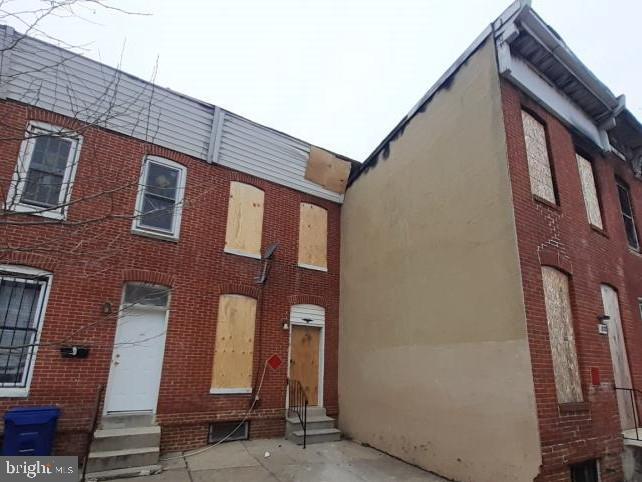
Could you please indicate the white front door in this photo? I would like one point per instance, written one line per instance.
(137, 360)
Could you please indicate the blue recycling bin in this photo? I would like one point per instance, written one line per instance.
(30, 431)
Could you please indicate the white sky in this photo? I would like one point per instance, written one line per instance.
(336, 73)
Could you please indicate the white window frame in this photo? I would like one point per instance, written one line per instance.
(19, 180)
(20, 272)
(178, 206)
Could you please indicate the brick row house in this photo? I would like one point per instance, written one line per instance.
(156, 252)
(497, 336)
(468, 299)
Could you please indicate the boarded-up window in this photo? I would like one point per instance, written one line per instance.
(313, 237)
(539, 167)
(589, 191)
(561, 335)
(244, 220)
(234, 349)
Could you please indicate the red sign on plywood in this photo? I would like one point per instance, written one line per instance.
(275, 362)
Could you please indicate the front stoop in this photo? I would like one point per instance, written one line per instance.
(320, 428)
(632, 456)
(124, 446)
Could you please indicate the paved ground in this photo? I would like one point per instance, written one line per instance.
(328, 462)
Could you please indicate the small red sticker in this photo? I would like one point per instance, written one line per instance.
(595, 375)
(275, 362)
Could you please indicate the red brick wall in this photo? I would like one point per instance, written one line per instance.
(91, 262)
(561, 237)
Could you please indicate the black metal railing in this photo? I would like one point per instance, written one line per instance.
(631, 397)
(298, 405)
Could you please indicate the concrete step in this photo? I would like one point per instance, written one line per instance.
(313, 423)
(316, 436)
(122, 459)
(127, 420)
(316, 412)
(125, 438)
(123, 473)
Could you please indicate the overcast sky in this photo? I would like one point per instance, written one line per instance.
(336, 73)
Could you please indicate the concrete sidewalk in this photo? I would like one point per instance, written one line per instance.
(342, 461)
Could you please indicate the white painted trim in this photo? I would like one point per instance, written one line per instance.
(238, 252)
(321, 326)
(123, 309)
(313, 267)
(178, 206)
(19, 179)
(23, 392)
(230, 391)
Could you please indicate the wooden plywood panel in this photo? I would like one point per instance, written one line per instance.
(304, 360)
(619, 359)
(539, 167)
(244, 219)
(589, 191)
(313, 236)
(561, 335)
(234, 349)
(327, 170)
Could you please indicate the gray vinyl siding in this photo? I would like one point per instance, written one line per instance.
(54, 79)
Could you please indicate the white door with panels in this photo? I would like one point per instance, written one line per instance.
(139, 345)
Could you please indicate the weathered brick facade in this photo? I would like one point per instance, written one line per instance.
(560, 236)
(91, 261)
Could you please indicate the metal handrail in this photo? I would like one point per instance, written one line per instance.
(298, 404)
(633, 397)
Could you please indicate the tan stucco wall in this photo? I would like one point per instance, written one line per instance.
(434, 364)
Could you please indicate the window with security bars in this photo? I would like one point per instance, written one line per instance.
(626, 206)
(45, 171)
(21, 301)
(160, 197)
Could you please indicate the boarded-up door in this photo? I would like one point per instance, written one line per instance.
(304, 360)
(621, 373)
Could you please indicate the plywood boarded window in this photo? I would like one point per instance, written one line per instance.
(313, 237)
(589, 191)
(539, 167)
(234, 349)
(244, 220)
(561, 335)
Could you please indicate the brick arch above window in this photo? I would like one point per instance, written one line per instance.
(552, 257)
(247, 179)
(30, 260)
(304, 299)
(231, 288)
(146, 276)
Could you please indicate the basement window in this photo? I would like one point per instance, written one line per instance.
(585, 472)
(227, 432)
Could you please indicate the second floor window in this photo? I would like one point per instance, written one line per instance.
(313, 237)
(45, 171)
(589, 191)
(539, 167)
(160, 197)
(626, 206)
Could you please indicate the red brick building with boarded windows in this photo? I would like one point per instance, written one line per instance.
(503, 213)
(156, 253)
(482, 267)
